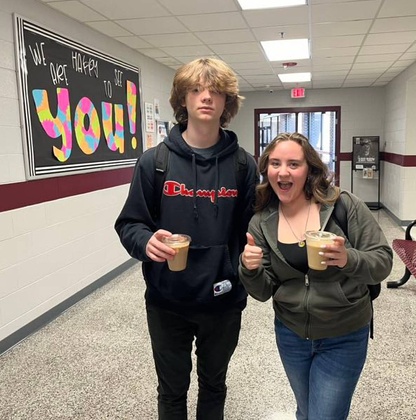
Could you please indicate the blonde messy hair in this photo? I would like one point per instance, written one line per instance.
(212, 74)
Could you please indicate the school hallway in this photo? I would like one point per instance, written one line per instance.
(94, 361)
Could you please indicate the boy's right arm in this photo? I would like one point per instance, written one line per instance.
(135, 224)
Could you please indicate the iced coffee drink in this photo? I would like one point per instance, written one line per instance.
(180, 243)
(314, 241)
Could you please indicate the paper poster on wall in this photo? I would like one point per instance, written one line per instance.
(365, 152)
(80, 107)
(150, 140)
(150, 118)
(157, 109)
(162, 130)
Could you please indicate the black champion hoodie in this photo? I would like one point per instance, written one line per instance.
(200, 198)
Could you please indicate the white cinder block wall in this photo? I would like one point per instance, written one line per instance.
(52, 250)
(399, 186)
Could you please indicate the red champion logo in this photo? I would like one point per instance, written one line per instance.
(173, 188)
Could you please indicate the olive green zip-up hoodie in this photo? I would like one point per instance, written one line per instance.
(327, 303)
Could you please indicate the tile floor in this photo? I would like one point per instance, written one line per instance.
(94, 361)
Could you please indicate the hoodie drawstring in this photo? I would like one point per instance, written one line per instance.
(194, 186)
(217, 181)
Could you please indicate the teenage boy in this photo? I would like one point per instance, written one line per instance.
(202, 198)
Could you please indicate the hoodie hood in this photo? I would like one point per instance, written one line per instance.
(227, 144)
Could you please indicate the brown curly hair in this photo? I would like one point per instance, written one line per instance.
(215, 75)
(319, 183)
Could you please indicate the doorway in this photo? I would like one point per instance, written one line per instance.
(321, 125)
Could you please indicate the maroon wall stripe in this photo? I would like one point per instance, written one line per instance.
(22, 194)
(407, 161)
(400, 160)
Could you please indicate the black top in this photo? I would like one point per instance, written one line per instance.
(294, 255)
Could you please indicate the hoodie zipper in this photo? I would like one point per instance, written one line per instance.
(306, 306)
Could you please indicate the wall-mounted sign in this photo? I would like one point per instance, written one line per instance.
(297, 92)
(365, 153)
(81, 108)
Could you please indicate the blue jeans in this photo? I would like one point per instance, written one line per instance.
(172, 335)
(322, 373)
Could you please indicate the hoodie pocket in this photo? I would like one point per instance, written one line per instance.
(206, 266)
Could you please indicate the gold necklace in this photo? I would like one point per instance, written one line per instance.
(301, 242)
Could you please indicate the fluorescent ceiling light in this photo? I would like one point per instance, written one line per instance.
(294, 77)
(286, 49)
(269, 4)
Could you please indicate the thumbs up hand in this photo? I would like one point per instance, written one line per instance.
(252, 254)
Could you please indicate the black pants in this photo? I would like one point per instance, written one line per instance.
(172, 335)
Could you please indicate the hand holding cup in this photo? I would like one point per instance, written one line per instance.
(315, 240)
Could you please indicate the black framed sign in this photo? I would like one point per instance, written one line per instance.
(81, 108)
(365, 152)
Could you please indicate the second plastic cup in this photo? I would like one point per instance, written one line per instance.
(180, 243)
(314, 240)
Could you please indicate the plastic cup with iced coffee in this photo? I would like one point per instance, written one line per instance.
(180, 243)
(314, 241)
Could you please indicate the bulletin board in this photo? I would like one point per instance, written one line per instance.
(81, 108)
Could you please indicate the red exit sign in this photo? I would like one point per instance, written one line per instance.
(297, 93)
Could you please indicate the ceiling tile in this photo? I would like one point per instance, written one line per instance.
(220, 21)
(371, 67)
(226, 36)
(329, 74)
(197, 7)
(348, 11)
(247, 47)
(322, 84)
(153, 52)
(168, 61)
(235, 58)
(275, 17)
(338, 1)
(159, 25)
(394, 24)
(338, 41)
(131, 9)
(324, 68)
(277, 32)
(255, 65)
(334, 52)
(170, 40)
(409, 55)
(384, 49)
(392, 8)
(355, 83)
(109, 28)
(377, 58)
(133, 41)
(252, 72)
(200, 50)
(341, 28)
(77, 10)
(391, 38)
